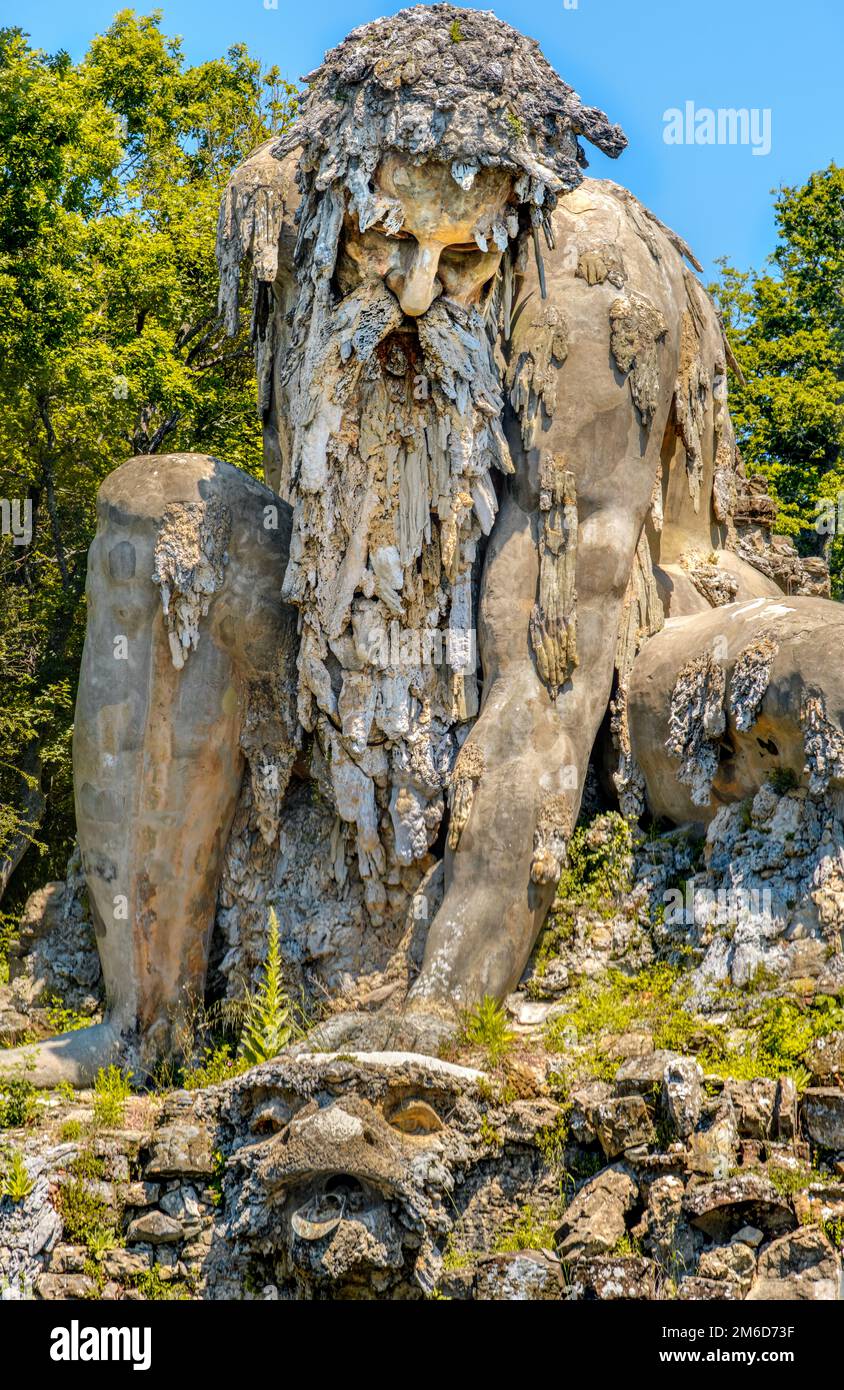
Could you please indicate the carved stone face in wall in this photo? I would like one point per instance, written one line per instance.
(435, 251)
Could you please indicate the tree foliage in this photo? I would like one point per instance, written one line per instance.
(786, 327)
(110, 345)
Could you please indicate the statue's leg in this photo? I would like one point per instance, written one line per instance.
(727, 698)
(158, 762)
(531, 759)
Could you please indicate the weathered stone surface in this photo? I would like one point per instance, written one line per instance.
(595, 1220)
(53, 1287)
(123, 1265)
(180, 1151)
(68, 1259)
(823, 1116)
(663, 1228)
(583, 1102)
(801, 1266)
(622, 1123)
(825, 1057)
(154, 1228)
(54, 955)
(755, 1105)
(643, 1074)
(721, 1208)
(735, 1263)
(712, 1147)
(681, 1094)
(696, 1290)
(524, 1277)
(609, 1278)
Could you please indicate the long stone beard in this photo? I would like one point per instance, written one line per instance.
(396, 431)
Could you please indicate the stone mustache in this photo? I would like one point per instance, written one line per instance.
(498, 457)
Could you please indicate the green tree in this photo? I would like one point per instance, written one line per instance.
(786, 327)
(110, 345)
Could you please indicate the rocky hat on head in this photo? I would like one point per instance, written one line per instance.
(457, 84)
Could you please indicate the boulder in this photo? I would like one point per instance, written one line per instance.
(755, 1106)
(681, 1094)
(525, 1276)
(735, 1263)
(53, 1287)
(595, 1221)
(154, 1228)
(643, 1074)
(823, 1116)
(825, 1057)
(622, 1123)
(799, 1266)
(712, 1149)
(721, 1208)
(181, 1151)
(608, 1277)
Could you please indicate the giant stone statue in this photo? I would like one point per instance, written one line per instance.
(499, 465)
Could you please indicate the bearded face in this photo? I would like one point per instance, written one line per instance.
(396, 403)
(443, 245)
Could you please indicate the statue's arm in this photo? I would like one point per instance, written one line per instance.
(585, 425)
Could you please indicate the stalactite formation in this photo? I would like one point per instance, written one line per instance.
(553, 622)
(749, 681)
(468, 770)
(539, 346)
(822, 741)
(190, 560)
(636, 327)
(695, 724)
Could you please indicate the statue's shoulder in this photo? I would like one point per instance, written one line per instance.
(604, 236)
(602, 207)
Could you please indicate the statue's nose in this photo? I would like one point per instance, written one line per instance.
(419, 287)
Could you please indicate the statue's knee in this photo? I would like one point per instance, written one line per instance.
(177, 527)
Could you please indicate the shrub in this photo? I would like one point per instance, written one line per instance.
(112, 1089)
(87, 1218)
(217, 1064)
(527, 1232)
(486, 1026)
(16, 1184)
(17, 1103)
(267, 1029)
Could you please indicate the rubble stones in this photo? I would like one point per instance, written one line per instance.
(596, 1220)
(681, 1094)
(823, 1116)
(802, 1266)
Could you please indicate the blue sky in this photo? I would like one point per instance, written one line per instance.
(636, 60)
